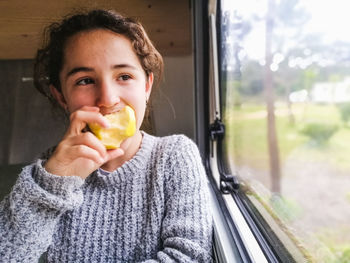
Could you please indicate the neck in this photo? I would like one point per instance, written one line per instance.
(130, 147)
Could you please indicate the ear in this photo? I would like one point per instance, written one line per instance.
(59, 97)
(149, 84)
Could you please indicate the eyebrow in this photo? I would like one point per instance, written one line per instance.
(123, 66)
(78, 69)
(87, 69)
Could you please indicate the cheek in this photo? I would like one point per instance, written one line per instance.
(135, 97)
(139, 112)
(76, 100)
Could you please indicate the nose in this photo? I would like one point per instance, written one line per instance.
(108, 95)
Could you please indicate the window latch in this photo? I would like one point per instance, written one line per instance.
(217, 130)
(228, 182)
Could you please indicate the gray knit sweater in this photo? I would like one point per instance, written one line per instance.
(154, 208)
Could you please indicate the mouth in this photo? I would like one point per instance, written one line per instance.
(110, 110)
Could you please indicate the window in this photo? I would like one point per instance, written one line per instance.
(285, 79)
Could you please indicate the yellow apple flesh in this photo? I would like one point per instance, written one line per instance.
(122, 126)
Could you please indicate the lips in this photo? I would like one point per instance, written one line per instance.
(110, 110)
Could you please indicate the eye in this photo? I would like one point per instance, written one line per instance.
(124, 77)
(85, 81)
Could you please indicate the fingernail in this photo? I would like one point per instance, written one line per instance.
(106, 124)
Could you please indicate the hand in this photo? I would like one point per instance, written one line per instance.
(80, 153)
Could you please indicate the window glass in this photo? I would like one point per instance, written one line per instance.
(285, 74)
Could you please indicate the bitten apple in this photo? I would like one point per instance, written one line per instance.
(122, 126)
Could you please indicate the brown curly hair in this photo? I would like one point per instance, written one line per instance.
(49, 59)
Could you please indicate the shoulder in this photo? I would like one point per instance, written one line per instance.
(177, 151)
(177, 141)
(175, 145)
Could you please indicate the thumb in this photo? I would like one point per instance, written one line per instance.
(113, 154)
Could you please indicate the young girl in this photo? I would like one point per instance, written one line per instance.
(143, 202)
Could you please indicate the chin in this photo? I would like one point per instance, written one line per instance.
(129, 141)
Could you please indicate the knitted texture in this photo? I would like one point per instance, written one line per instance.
(154, 208)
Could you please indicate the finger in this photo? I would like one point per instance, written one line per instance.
(89, 140)
(83, 151)
(113, 154)
(79, 119)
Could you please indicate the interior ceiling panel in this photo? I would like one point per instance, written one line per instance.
(167, 22)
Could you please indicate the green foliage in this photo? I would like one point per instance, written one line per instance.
(345, 255)
(308, 76)
(334, 241)
(344, 109)
(252, 85)
(286, 209)
(319, 132)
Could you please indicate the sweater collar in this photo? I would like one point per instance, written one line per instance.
(130, 168)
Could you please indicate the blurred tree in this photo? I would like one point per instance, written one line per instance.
(275, 170)
(282, 21)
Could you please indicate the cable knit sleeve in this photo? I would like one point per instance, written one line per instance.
(29, 214)
(187, 225)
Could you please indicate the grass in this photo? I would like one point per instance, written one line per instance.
(339, 253)
(247, 135)
(246, 144)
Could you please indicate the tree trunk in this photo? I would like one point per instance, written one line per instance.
(275, 172)
(291, 117)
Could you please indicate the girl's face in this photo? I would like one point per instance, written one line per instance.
(101, 69)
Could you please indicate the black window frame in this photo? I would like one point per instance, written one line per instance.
(272, 247)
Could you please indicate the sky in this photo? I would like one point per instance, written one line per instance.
(332, 17)
(329, 17)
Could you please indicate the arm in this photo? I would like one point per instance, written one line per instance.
(29, 214)
(187, 225)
